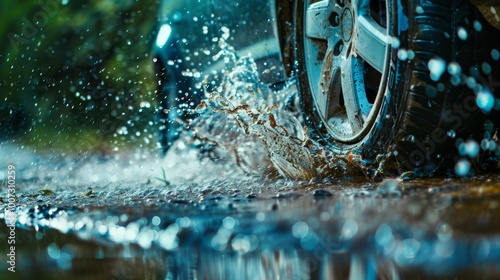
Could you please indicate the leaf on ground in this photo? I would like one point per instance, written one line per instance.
(47, 192)
(88, 194)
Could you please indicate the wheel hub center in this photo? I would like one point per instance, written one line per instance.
(346, 25)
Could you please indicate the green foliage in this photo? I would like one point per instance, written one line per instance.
(76, 69)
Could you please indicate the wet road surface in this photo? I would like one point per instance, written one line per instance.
(223, 224)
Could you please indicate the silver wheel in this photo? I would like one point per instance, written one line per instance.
(347, 46)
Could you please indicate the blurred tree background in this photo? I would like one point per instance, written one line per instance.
(77, 75)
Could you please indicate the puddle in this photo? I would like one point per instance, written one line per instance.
(435, 227)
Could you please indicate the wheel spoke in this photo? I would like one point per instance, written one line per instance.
(317, 20)
(343, 45)
(353, 90)
(371, 42)
(327, 95)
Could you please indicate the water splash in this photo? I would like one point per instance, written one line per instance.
(259, 113)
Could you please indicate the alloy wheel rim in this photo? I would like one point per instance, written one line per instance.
(347, 46)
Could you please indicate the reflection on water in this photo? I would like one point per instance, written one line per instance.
(388, 230)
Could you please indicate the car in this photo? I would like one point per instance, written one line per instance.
(414, 83)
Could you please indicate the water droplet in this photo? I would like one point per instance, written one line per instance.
(406, 251)
(145, 238)
(156, 221)
(486, 68)
(168, 238)
(482, 249)
(122, 130)
(485, 100)
(410, 54)
(310, 241)
(471, 82)
(225, 32)
(229, 223)
(462, 167)
(469, 148)
(53, 251)
(436, 67)
(474, 71)
(383, 234)
(452, 133)
(487, 134)
(462, 33)
(177, 16)
(485, 144)
(260, 217)
(495, 54)
(444, 232)
(349, 230)
(241, 243)
(444, 249)
(441, 87)
(493, 145)
(454, 68)
(419, 10)
(183, 222)
(477, 26)
(402, 54)
(395, 43)
(300, 229)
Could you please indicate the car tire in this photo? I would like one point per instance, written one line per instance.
(399, 78)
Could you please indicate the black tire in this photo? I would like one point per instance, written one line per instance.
(418, 119)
